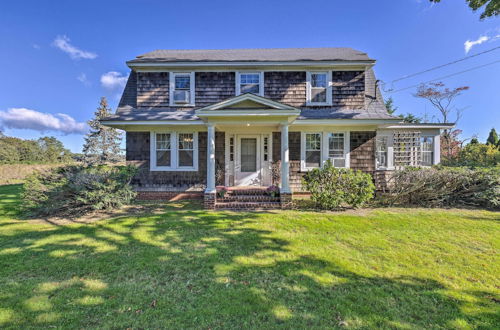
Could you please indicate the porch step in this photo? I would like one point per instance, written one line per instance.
(248, 191)
(247, 205)
(247, 198)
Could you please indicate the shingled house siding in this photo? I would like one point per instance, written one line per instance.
(294, 157)
(220, 158)
(363, 151)
(152, 89)
(348, 89)
(286, 87)
(137, 145)
(213, 87)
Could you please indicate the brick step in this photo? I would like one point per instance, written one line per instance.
(247, 198)
(253, 192)
(247, 206)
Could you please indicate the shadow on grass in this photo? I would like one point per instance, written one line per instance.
(188, 268)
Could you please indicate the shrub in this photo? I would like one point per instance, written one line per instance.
(445, 187)
(476, 155)
(332, 188)
(76, 189)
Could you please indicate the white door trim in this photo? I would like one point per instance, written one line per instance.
(248, 179)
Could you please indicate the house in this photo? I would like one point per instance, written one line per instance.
(251, 118)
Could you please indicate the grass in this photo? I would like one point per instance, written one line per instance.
(16, 173)
(183, 267)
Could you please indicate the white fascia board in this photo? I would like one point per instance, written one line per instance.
(151, 122)
(418, 126)
(247, 113)
(341, 122)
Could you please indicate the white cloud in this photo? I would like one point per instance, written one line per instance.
(22, 118)
(471, 43)
(62, 42)
(82, 77)
(36, 46)
(113, 80)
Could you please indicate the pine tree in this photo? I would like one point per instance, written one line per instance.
(474, 141)
(102, 144)
(389, 105)
(492, 138)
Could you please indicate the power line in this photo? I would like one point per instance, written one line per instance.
(444, 65)
(444, 77)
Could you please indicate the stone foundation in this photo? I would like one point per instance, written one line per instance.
(167, 195)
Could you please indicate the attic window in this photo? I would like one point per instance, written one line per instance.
(319, 88)
(250, 82)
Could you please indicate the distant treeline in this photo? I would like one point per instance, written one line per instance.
(43, 150)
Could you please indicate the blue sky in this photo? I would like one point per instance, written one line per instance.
(57, 55)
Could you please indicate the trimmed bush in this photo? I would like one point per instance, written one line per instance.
(445, 187)
(72, 190)
(333, 188)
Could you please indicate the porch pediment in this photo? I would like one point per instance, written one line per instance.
(247, 105)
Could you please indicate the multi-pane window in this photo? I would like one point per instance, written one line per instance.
(174, 151)
(231, 149)
(186, 149)
(427, 150)
(336, 149)
(250, 83)
(318, 87)
(381, 153)
(266, 148)
(312, 150)
(163, 150)
(182, 88)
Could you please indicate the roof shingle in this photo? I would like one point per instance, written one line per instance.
(253, 55)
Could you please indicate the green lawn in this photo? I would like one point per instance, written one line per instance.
(187, 268)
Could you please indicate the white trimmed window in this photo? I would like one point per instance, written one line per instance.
(382, 151)
(311, 151)
(427, 150)
(250, 82)
(337, 149)
(174, 151)
(182, 89)
(319, 88)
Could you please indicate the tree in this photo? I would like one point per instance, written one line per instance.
(389, 105)
(410, 118)
(53, 150)
(474, 141)
(102, 144)
(492, 138)
(492, 7)
(441, 98)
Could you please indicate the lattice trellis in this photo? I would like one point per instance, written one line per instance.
(406, 149)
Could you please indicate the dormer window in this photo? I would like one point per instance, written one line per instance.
(250, 82)
(182, 89)
(319, 88)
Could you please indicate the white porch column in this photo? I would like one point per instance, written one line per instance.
(211, 159)
(285, 160)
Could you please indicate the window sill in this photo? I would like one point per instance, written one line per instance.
(172, 169)
(318, 104)
(182, 105)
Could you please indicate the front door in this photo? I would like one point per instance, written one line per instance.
(248, 165)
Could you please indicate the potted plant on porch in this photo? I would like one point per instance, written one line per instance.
(221, 191)
(273, 190)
